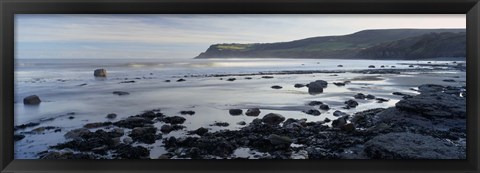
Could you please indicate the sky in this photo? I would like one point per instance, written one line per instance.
(168, 36)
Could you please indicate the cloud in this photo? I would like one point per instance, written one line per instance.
(163, 34)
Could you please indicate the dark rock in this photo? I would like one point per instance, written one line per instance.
(340, 114)
(32, 100)
(339, 83)
(313, 112)
(97, 125)
(392, 66)
(92, 140)
(200, 131)
(18, 137)
(187, 112)
(167, 81)
(77, 133)
(220, 124)
(340, 122)
(369, 96)
(276, 87)
(381, 100)
(248, 78)
(231, 79)
(382, 66)
(253, 112)
(317, 86)
(324, 107)
(71, 117)
(235, 112)
(242, 123)
(348, 127)
(351, 104)
(173, 120)
(273, 119)
(166, 128)
(315, 103)
(267, 77)
(120, 93)
(371, 66)
(299, 85)
(359, 96)
(132, 122)
(339, 65)
(144, 134)
(327, 120)
(129, 152)
(181, 80)
(435, 105)
(410, 66)
(127, 140)
(24, 126)
(112, 116)
(282, 141)
(448, 80)
(366, 118)
(411, 146)
(130, 81)
(100, 73)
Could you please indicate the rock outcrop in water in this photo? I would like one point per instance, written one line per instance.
(32, 100)
(100, 73)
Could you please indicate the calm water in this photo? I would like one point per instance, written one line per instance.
(69, 86)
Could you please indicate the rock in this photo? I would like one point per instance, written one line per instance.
(97, 125)
(371, 66)
(267, 77)
(315, 103)
(220, 124)
(132, 122)
(32, 100)
(248, 78)
(167, 81)
(359, 96)
(77, 133)
(382, 66)
(369, 96)
(120, 93)
(129, 152)
(200, 131)
(253, 112)
(339, 83)
(313, 112)
(144, 134)
(231, 79)
(317, 86)
(187, 112)
(406, 145)
(340, 122)
(340, 114)
(277, 140)
(351, 104)
(71, 117)
(381, 100)
(302, 154)
(299, 85)
(18, 137)
(448, 80)
(435, 105)
(393, 66)
(181, 80)
(128, 140)
(324, 107)
(92, 140)
(348, 127)
(130, 81)
(55, 155)
(273, 119)
(242, 123)
(235, 112)
(276, 87)
(100, 73)
(410, 66)
(173, 120)
(327, 120)
(112, 116)
(166, 128)
(339, 65)
(24, 126)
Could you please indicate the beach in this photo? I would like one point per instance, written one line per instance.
(175, 98)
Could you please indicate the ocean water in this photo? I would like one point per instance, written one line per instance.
(66, 86)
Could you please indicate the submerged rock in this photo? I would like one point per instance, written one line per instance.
(299, 85)
(112, 116)
(359, 96)
(339, 83)
(32, 100)
(351, 104)
(100, 73)
(371, 66)
(231, 79)
(132, 122)
(220, 124)
(18, 137)
(181, 80)
(315, 103)
(276, 87)
(187, 112)
(235, 112)
(173, 120)
(340, 114)
(324, 107)
(120, 93)
(317, 86)
(313, 112)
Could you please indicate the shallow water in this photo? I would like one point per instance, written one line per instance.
(58, 84)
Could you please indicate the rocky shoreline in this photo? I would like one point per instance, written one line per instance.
(430, 125)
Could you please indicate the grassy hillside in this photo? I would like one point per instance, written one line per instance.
(341, 47)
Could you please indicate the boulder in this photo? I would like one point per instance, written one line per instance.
(351, 104)
(369, 96)
(339, 83)
(173, 120)
(231, 79)
(349, 127)
(144, 134)
(278, 140)
(187, 112)
(112, 116)
(324, 107)
(435, 105)
(32, 100)
(317, 86)
(220, 124)
(313, 112)
(340, 114)
(371, 66)
(77, 133)
(181, 80)
(339, 65)
(339, 122)
(235, 112)
(406, 145)
(120, 93)
(359, 96)
(166, 128)
(242, 123)
(127, 140)
(18, 137)
(299, 85)
(273, 119)
(315, 103)
(253, 112)
(100, 73)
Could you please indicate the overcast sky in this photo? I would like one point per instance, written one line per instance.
(185, 36)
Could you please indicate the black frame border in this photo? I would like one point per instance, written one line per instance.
(8, 8)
